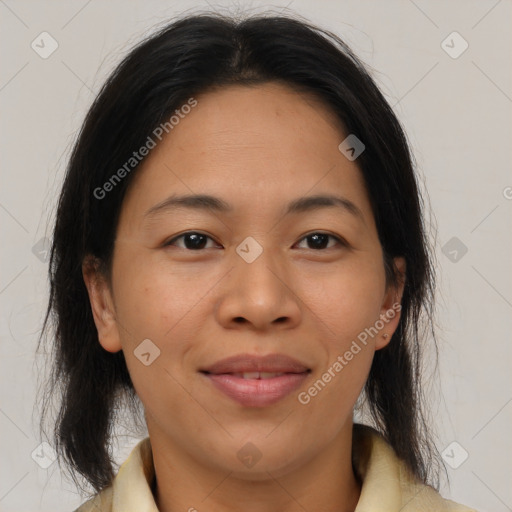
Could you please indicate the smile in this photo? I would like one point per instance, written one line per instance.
(257, 389)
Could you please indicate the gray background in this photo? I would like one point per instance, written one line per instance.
(457, 114)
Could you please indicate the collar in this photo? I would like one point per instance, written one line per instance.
(387, 484)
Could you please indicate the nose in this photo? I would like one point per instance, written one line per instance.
(258, 295)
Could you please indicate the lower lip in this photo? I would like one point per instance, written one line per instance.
(257, 392)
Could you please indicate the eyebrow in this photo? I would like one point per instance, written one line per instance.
(208, 202)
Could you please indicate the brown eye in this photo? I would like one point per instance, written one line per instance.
(319, 241)
(192, 241)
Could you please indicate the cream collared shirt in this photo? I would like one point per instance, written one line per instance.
(387, 485)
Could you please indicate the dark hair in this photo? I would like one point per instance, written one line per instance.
(190, 56)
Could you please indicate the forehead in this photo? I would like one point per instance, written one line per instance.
(252, 115)
(267, 140)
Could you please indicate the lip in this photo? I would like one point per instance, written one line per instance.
(226, 376)
(278, 363)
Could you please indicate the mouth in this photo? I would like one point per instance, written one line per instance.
(257, 375)
(257, 389)
(255, 381)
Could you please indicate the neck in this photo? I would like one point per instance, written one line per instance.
(324, 483)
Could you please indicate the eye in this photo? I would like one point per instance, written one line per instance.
(195, 241)
(318, 241)
(192, 240)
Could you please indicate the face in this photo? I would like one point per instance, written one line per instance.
(259, 268)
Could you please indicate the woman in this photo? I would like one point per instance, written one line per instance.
(239, 244)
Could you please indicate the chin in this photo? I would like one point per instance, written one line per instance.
(261, 458)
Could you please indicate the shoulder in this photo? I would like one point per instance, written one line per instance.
(387, 483)
(101, 502)
(131, 487)
(418, 497)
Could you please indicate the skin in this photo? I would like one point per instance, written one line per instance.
(257, 148)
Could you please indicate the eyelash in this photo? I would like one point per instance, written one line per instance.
(338, 239)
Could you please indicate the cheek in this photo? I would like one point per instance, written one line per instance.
(152, 297)
(347, 306)
(347, 303)
(167, 306)
(347, 299)
(153, 303)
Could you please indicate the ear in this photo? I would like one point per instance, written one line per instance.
(102, 304)
(391, 305)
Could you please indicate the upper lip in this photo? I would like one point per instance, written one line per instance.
(242, 363)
